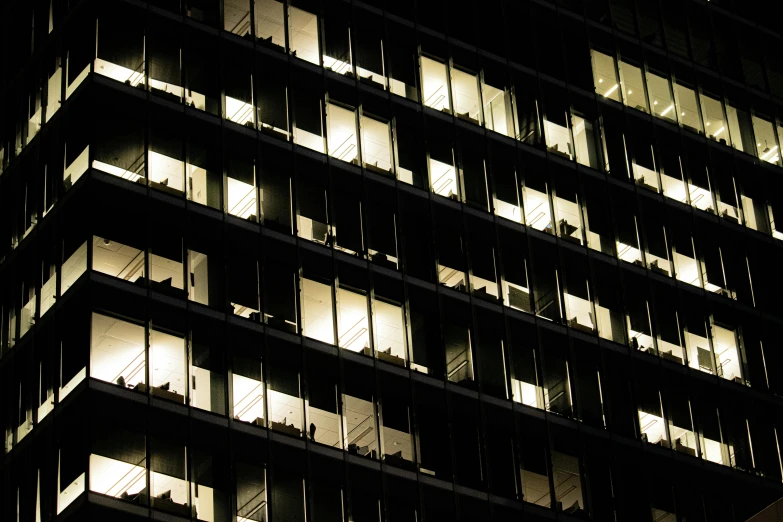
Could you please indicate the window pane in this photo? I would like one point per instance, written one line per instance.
(117, 351)
(434, 85)
(688, 107)
(633, 87)
(303, 34)
(605, 76)
(661, 97)
(714, 122)
(766, 148)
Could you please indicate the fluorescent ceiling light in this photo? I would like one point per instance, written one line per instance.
(610, 91)
(719, 131)
(664, 113)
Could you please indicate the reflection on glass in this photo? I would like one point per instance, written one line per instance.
(605, 76)
(434, 85)
(661, 97)
(633, 87)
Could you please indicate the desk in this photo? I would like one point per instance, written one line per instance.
(163, 394)
(288, 429)
(671, 357)
(169, 506)
(385, 355)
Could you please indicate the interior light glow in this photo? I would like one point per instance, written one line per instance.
(719, 131)
(610, 91)
(664, 113)
(768, 154)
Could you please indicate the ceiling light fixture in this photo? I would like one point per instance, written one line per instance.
(610, 91)
(664, 113)
(719, 131)
(768, 152)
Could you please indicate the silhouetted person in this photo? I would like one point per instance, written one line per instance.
(121, 381)
(312, 431)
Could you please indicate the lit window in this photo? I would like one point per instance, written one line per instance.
(537, 212)
(497, 109)
(714, 120)
(633, 87)
(73, 267)
(117, 353)
(341, 133)
(605, 76)
(389, 332)
(568, 482)
(740, 130)
(465, 87)
(317, 310)
(698, 350)
(168, 372)
(236, 17)
(766, 145)
(270, 28)
(376, 145)
(687, 107)
(303, 34)
(434, 85)
(661, 97)
(727, 353)
(352, 325)
(247, 382)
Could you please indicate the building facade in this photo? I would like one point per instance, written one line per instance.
(390, 260)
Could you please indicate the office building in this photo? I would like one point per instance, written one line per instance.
(390, 260)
